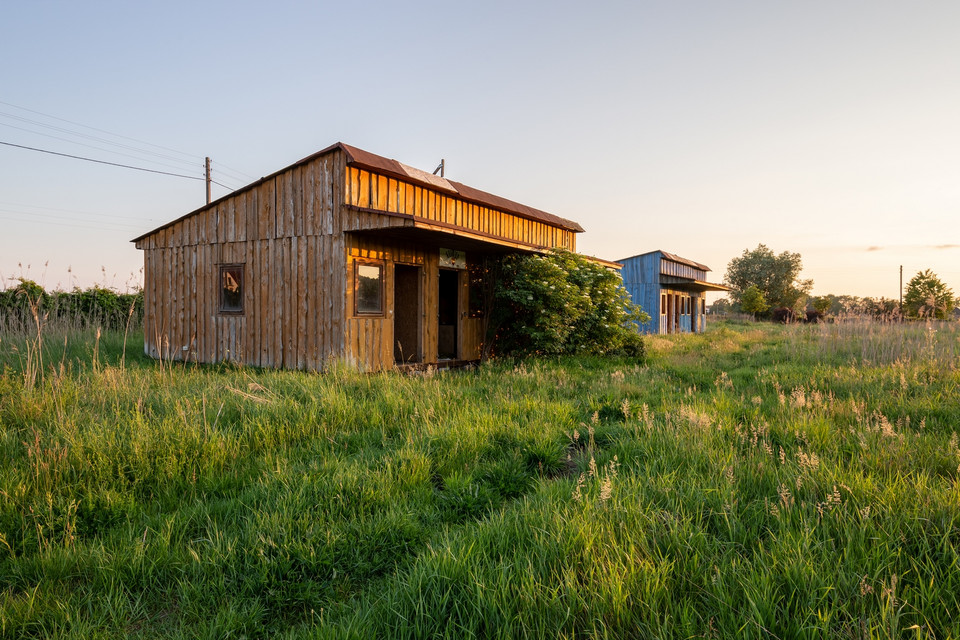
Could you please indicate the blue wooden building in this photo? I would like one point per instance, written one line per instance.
(671, 289)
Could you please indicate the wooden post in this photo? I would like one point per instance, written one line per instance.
(207, 164)
(901, 291)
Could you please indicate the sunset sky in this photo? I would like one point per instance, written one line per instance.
(831, 129)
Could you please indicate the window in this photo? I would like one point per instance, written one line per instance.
(663, 304)
(231, 288)
(368, 298)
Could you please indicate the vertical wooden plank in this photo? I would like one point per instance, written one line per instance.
(191, 294)
(289, 308)
(229, 209)
(409, 199)
(212, 310)
(308, 197)
(324, 187)
(266, 305)
(251, 230)
(266, 203)
(362, 196)
(253, 313)
(289, 208)
(308, 304)
(280, 296)
(350, 181)
(383, 193)
(149, 301)
(322, 310)
(160, 308)
(331, 179)
(393, 195)
(179, 339)
(303, 326)
(296, 201)
(240, 217)
(204, 294)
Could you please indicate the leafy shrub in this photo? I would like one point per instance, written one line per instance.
(562, 303)
(784, 315)
(80, 308)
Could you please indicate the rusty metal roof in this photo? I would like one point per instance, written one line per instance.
(379, 164)
(691, 263)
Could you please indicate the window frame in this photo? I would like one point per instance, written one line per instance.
(357, 264)
(240, 267)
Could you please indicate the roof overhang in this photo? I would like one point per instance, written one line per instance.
(431, 234)
(689, 284)
(408, 228)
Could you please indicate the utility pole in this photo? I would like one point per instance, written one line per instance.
(207, 164)
(901, 291)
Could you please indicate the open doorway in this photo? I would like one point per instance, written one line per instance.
(448, 314)
(406, 314)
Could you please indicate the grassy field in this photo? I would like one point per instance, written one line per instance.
(755, 481)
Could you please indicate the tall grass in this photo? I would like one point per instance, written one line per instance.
(755, 481)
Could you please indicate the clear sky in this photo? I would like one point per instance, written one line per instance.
(702, 128)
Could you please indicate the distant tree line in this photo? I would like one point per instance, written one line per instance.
(768, 285)
(22, 305)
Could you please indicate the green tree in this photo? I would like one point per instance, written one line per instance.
(821, 304)
(720, 307)
(560, 303)
(927, 297)
(777, 277)
(753, 301)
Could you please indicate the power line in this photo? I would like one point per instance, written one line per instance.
(71, 223)
(237, 172)
(223, 185)
(113, 164)
(46, 115)
(66, 214)
(94, 138)
(77, 212)
(90, 146)
(238, 176)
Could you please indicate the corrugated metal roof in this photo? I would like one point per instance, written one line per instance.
(379, 164)
(690, 263)
(673, 258)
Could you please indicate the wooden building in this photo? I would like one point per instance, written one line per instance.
(344, 255)
(669, 288)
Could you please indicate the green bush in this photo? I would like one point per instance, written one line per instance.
(80, 308)
(562, 303)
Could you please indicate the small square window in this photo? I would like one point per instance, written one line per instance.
(369, 289)
(231, 288)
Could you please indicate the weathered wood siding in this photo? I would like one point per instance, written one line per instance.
(286, 234)
(370, 191)
(370, 340)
